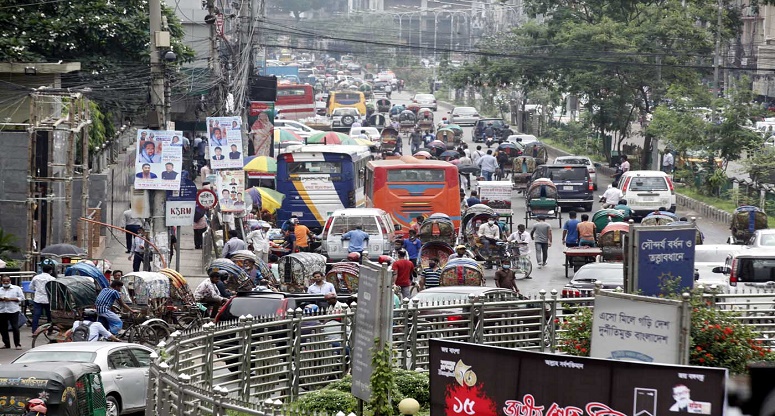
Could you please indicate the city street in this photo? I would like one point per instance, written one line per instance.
(553, 275)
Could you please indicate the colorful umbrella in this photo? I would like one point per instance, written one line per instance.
(358, 141)
(282, 136)
(265, 198)
(327, 137)
(261, 164)
(437, 144)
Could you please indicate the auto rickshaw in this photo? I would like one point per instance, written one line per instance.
(296, 270)
(383, 105)
(69, 389)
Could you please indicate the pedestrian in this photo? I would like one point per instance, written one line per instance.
(668, 162)
(319, 286)
(415, 139)
(476, 155)
(200, 226)
(104, 304)
(521, 239)
(570, 235)
(541, 233)
(131, 225)
(505, 277)
(138, 250)
(430, 275)
(412, 246)
(303, 235)
(117, 275)
(258, 239)
(488, 165)
(40, 298)
(586, 230)
(402, 274)
(398, 244)
(11, 297)
(503, 160)
(416, 223)
(96, 331)
(207, 292)
(611, 196)
(234, 244)
(473, 199)
(358, 238)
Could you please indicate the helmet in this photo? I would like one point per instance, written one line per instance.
(220, 274)
(49, 262)
(354, 256)
(90, 315)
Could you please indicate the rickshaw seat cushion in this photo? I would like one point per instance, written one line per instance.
(543, 203)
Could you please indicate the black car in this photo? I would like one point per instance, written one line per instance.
(502, 130)
(574, 185)
(270, 303)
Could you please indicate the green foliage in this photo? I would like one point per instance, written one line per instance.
(327, 400)
(344, 384)
(382, 380)
(760, 165)
(577, 335)
(415, 385)
(7, 245)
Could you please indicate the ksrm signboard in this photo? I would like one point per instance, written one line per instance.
(469, 379)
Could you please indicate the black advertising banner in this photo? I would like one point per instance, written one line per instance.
(469, 379)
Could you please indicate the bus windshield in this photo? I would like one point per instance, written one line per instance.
(314, 167)
(347, 98)
(416, 175)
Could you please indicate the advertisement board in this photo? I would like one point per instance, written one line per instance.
(662, 259)
(261, 119)
(159, 159)
(638, 328)
(181, 204)
(496, 195)
(225, 142)
(231, 190)
(470, 379)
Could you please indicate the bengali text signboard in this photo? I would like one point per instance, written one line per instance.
(663, 259)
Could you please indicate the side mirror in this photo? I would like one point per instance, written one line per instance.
(397, 227)
(696, 275)
(720, 269)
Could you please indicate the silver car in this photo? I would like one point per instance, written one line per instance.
(124, 368)
(762, 239)
(426, 101)
(464, 115)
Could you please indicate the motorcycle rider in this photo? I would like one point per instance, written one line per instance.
(489, 134)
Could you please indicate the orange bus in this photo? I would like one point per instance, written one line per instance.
(407, 187)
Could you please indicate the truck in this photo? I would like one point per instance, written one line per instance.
(281, 71)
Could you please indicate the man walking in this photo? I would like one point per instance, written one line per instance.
(541, 233)
(522, 240)
(234, 244)
(412, 246)
(488, 164)
(402, 274)
(40, 298)
(505, 277)
(416, 140)
(570, 235)
(476, 155)
(138, 250)
(668, 162)
(131, 224)
(11, 297)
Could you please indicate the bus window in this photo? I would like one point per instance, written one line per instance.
(314, 167)
(416, 175)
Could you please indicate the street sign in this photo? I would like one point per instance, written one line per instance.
(187, 192)
(661, 259)
(179, 213)
(205, 198)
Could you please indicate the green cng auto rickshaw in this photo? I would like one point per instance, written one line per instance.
(69, 389)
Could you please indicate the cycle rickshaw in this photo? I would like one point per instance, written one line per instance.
(522, 170)
(474, 216)
(437, 233)
(541, 199)
(296, 270)
(462, 272)
(383, 105)
(344, 276)
(238, 280)
(407, 120)
(425, 119)
(745, 221)
(68, 297)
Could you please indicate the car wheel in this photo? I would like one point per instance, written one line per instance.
(588, 207)
(113, 409)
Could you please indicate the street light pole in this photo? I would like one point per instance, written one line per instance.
(435, 33)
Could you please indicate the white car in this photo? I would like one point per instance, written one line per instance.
(299, 128)
(123, 366)
(581, 160)
(344, 117)
(464, 115)
(522, 138)
(426, 101)
(372, 132)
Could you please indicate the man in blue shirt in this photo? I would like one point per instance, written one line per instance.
(570, 235)
(105, 301)
(359, 240)
(412, 246)
(473, 199)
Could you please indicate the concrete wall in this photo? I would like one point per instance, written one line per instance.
(13, 184)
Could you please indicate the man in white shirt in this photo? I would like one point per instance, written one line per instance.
(259, 239)
(97, 331)
(11, 297)
(611, 196)
(320, 286)
(40, 297)
(131, 224)
(476, 155)
(488, 164)
(667, 162)
(488, 233)
(522, 240)
(208, 294)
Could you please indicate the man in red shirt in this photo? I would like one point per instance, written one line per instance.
(402, 273)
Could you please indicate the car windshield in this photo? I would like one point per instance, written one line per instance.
(562, 174)
(655, 183)
(464, 111)
(341, 225)
(572, 161)
(614, 276)
(71, 356)
(767, 240)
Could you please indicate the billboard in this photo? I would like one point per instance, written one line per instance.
(470, 379)
(261, 119)
(231, 190)
(225, 142)
(662, 257)
(159, 159)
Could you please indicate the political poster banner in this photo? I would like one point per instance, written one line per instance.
(159, 159)
(261, 119)
(231, 190)
(663, 259)
(470, 379)
(225, 142)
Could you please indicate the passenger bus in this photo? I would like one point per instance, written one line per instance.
(295, 102)
(318, 180)
(347, 98)
(407, 187)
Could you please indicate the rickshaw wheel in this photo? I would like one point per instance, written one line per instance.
(148, 335)
(49, 336)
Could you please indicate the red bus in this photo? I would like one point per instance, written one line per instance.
(407, 187)
(295, 101)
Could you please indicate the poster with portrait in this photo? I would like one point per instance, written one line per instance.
(231, 190)
(159, 159)
(261, 119)
(225, 142)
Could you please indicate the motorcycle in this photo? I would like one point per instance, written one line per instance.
(489, 141)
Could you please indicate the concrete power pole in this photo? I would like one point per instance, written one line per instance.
(157, 117)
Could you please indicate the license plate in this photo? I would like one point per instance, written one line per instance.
(567, 188)
(649, 199)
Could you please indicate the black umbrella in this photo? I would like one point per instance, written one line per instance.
(63, 249)
(450, 153)
(467, 168)
(507, 145)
